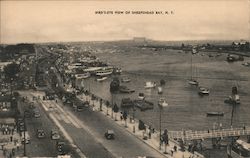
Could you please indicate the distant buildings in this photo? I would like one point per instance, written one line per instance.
(3, 64)
(139, 39)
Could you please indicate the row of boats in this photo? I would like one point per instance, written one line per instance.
(98, 71)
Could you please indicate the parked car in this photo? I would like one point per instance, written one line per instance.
(109, 134)
(40, 133)
(27, 137)
(55, 135)
(60, 145)
(27, 114)
(37, 113)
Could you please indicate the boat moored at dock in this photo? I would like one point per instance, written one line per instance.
(124, 89)
(83, 76)
(203, 91)
(126, 79)
(234, 99)
(162, 102)
(239, 149)
(215, 113)
(127, 103)
(160, 90)
(141, 96)
(104, 71)
(193, 82)
(150, 84)
(143, 105)
(101, 78)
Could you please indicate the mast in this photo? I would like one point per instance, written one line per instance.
(191, 66)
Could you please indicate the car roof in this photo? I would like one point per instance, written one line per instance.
(110, 132)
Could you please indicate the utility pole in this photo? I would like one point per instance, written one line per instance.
(24, 146)
(160, 127)
(112, 104)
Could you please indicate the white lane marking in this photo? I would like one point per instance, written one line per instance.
(57, 116)
(67, 116)
(67, 136)
(44, 106)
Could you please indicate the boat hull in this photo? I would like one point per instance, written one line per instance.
(101, 79)
(215, 114)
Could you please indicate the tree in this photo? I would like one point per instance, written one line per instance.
(116, 110)
(11, 71)
(141, 125)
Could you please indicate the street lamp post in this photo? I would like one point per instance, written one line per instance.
(160, 107)
(24, 135)
(112, 102)
(162, 103)
(134, 118)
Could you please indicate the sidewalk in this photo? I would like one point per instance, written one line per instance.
(132, 128)
(10, 147)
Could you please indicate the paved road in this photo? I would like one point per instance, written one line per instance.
(39, 147)
(124, 144)
(83, 139)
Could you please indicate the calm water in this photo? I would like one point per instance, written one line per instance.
(186, 110)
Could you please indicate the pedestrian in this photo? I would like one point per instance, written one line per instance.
(17, 146)
(172, 152)
(175, 148)
(149, 134)
(153, 130)
(121, 117)
(11, 138)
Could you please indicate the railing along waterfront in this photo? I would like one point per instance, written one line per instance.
(218, 133)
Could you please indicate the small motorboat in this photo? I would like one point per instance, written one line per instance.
(193, 82)
(150, 85)
(125, 79)
(101, 79)
(143, 105)
(203, 91)
(162, 102)
(127, 103)
(141, 96)
(83, 76)
(117, 71)
(160, 90)
(215, 113)
(124, 89)
(235, 99)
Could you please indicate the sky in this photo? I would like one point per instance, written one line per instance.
(64, 21)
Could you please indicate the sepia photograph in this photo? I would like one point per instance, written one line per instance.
(125, 79)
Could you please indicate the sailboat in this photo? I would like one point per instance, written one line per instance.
(192, 81)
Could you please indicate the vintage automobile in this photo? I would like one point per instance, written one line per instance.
(109, 134)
